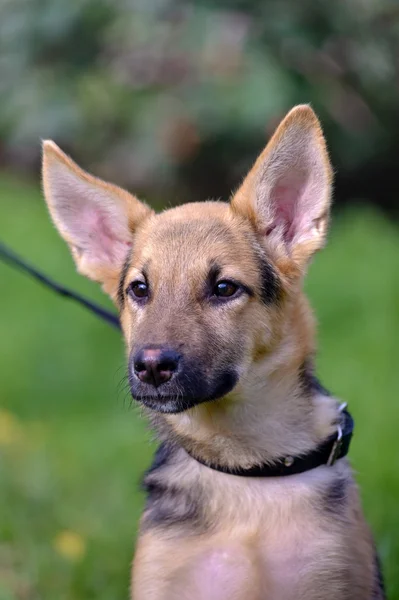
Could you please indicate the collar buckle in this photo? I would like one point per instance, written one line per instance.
(337, 445)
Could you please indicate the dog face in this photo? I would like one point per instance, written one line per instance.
(194, 285)
(202, 289)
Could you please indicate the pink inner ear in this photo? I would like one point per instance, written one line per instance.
(104, 240)
(287, 198)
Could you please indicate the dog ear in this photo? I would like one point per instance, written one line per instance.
(97, 219)
(286, 195)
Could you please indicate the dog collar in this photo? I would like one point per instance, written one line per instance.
(334, 448)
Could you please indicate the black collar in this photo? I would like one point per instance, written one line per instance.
(335, 447)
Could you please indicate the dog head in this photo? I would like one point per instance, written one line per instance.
(202, 289)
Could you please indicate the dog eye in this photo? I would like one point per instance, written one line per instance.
(138, 289)
(225, 289)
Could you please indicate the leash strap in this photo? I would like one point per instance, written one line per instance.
(9, 257)
(334, 448)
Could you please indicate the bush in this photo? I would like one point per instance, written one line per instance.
(176, 98)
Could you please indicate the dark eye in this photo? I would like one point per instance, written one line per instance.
(225, 289)
(138, 289)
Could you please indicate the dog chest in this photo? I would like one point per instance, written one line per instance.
(225, 531)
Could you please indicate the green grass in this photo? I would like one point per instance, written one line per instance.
(72, 449)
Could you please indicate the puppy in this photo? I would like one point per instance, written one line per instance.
(250, 496)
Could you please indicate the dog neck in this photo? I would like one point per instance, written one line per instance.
(286, 413)
(278, 409)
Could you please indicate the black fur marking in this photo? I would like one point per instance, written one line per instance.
(309, 381)
(213, 276)
(167, 505)
(335, 497)
(162, 457)
(379, 587)
(270, 284)
(187, 388)
(121, 286)
(214, 273)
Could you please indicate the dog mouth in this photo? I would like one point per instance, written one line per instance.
(165, 401)
(169, 404)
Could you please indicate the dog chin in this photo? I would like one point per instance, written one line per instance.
(169, 404)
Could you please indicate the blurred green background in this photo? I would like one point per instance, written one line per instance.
(174, 100)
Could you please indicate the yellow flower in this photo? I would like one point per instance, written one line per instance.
(10, 428)
(70, 545)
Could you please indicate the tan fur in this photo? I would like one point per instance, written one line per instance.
(218, 536)
(297, 550)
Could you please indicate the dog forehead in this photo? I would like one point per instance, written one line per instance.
(198, 231)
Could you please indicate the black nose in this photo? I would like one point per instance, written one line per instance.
(155, 365)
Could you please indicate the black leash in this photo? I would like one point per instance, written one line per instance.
(8, 256)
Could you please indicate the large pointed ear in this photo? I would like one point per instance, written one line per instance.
(287, 193)
(97, 219)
